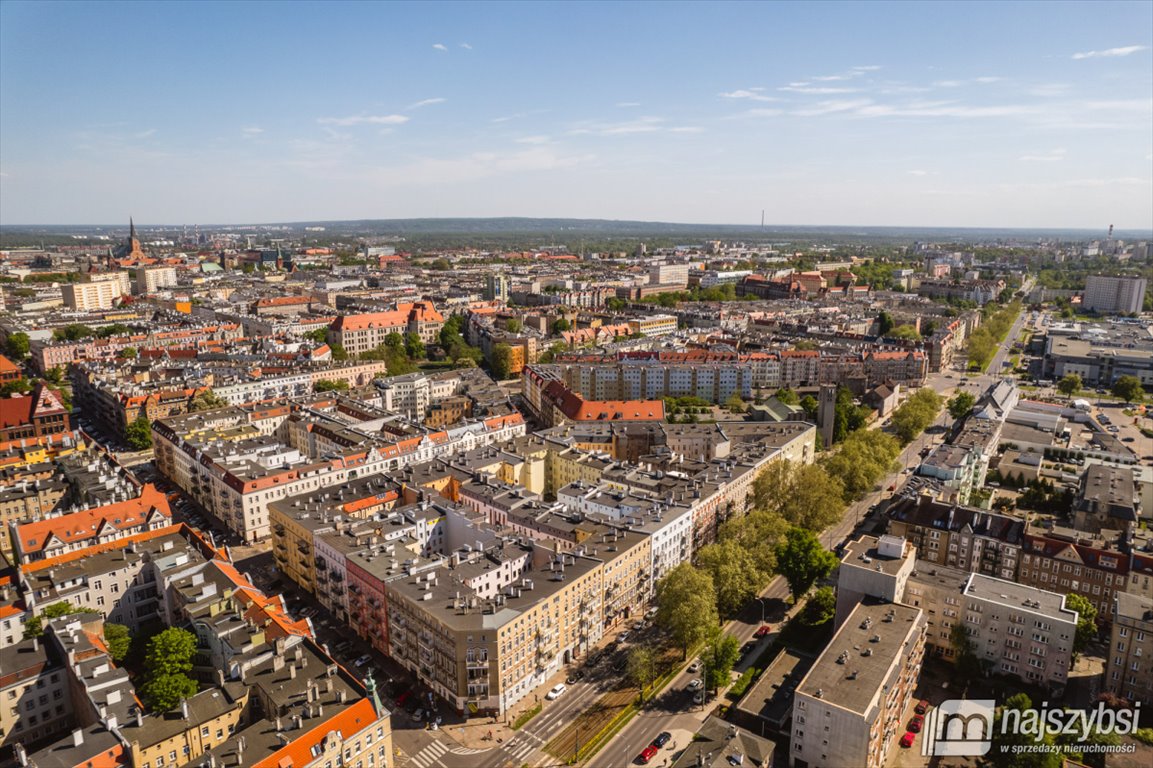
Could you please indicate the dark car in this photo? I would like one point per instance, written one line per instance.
(747, 647)
(662, 739)
(575, 677)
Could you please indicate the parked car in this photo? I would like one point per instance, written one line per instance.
(556, 691)
(922, 707)
(647, 754)
(575, 676)
(662, 739)
(747, 647)
(418, 715)
(908, 739)
(695, 667)
(695, 685)
(699, 697)
(916, 723)
(623, 636)
(763, 630)
(362, 660)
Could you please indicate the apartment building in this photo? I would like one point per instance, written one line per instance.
(26, 500)
(86, 297)
(959, 537)
(151, 279)
(364, 332)
(1114, 294)
(75, 530)
(653, 325)
(849, 708)
(872, 567)
(1062, 559)
(36, 418)
(1129, 672)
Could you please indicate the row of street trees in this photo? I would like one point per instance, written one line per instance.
(995, 325)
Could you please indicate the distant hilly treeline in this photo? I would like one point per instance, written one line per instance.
(514, 232)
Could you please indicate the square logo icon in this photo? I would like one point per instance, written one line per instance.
(959, 728)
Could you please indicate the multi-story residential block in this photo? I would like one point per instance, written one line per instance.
(653, 325)
(1062, 559)
(849, 708)
(872, 567)
(1129, 669)
(1019, 630)
(151, 279)
(36, 418)
(26, 500)
(959, 537)
(1114, 294)
(365, 332)
(85, 297)
(75, 530)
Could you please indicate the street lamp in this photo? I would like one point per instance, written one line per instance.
(762, 600)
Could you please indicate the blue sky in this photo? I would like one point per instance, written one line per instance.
(1026, 114)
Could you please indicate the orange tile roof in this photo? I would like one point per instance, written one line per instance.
(299, 751)
(7, 366)
(79, 526)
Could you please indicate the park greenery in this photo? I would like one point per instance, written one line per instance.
(17, 345)
(1129, 389)
(1070, 384)
(960, 405)
(330, 385)
(206, 400)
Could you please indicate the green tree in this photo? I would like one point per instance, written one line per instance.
(34, 627)
(884, 323)
(721, 653)
(513, 325)
(915, 414)
(440, 265)
(1086, 621)
(319, 335)
(820, 607)
(905, 332)
(561, 324)
(165, 692)
(960, 404)
(128, 353)
(118, 640)
(206, 400)
(788, 396)
(803, 561)
(969, 666)
(55, 375)
(501, 362)
(22, 386)
(686, 605)
(641, 668)
(756, 534)
(170, 653)
(394, 340)
(735, 574)
(847, 415)
(413, 346)
(398, 363)
(139, 434)
(613, 304)
(862, 460)
(73, 332)
(330, 385)
(735, 403)
(1070, 384)
(338, 353)
(1005, 752)
(17, 345)
(804, 495)
(1128, 388)
(114, 329)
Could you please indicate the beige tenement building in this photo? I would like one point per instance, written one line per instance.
(152, 279)
(1130, 670)
(101, 292)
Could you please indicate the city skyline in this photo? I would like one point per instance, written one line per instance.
(1020, 115)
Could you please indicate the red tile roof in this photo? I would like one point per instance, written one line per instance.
(79, 526)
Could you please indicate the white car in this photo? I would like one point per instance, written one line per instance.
(362, 660)
(695, 667)
(556, 691)
(695, 685)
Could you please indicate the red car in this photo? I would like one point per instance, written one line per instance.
(916, 723)
(908, 738)
(922, 707)
(763, 630)
(648, 754)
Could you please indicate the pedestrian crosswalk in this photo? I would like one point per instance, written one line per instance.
(519, 750)
(430, 755)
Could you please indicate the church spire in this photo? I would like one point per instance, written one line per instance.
(131, 229)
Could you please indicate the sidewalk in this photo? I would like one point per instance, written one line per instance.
(490, 732)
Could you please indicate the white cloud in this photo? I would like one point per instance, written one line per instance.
(1110, 52)
(687, 129)
(364, 120)
(819, 90)
(833, 107)
(918, 173)
(628, 104)
(534, 140)
(466, 46)
(440, 46)
(1053, 156)
(426, 103)
(752, 94)
(145, 134)
(251, 131)
(830, 78)
(987, 80)
(868, 68)
(948, 84)
(647, 124)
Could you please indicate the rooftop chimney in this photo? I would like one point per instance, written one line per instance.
(77, 737)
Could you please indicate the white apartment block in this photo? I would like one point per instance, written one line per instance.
(849, 709)
(1106, 293)
(87, 297)
(152, 279)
